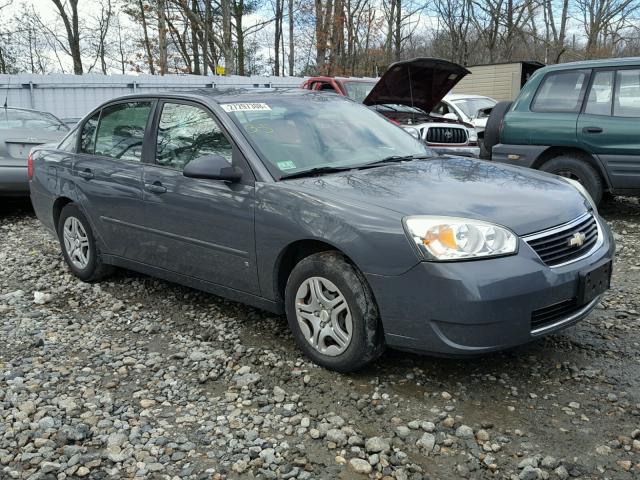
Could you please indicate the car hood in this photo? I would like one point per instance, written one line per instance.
(523, 200)
(421, 82)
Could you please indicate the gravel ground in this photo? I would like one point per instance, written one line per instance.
(136, 377)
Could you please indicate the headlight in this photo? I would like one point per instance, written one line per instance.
(451, 238)
(583, 191)
(473, 135)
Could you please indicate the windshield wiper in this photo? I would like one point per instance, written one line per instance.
(395, 159)
(314, 171)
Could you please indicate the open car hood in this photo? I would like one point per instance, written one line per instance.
(421, 82)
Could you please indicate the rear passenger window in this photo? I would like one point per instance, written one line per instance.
(561, 92)
(600, 94)
(627, 102)
(88, 135)
(186, 132)
(121, 130)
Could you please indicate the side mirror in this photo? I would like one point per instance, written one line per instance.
(451, 116)
(212, 167)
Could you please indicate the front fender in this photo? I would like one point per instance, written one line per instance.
(372, 237)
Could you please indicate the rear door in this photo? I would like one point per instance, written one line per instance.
(108, 172)
(554, 110)
(609, 125)
(197, 227)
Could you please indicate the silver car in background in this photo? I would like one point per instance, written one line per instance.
(20, 130)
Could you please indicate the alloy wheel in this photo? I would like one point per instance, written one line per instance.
(76, 242)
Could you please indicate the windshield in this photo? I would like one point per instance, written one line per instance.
(297, 134)
(358, 91)
(11, 118)
(470, 106)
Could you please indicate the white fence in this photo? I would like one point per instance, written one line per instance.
(72, 96)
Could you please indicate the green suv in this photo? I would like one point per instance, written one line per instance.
(578, 120)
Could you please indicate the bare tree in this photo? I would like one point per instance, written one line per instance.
(70, 20)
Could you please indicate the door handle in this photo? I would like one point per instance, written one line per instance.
(591, 130)
(155, 187)
(86, 173)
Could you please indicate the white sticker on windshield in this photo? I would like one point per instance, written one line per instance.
(244, 107)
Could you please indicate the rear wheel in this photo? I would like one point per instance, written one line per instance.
(579, 169)
(332, 313)
(79, 246)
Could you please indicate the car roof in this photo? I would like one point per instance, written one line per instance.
(26, 110)
(227, 95)
(608, 62)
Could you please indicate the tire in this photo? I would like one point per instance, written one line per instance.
(578, 168)
(492, 129)
(331, 270)
(93, 269)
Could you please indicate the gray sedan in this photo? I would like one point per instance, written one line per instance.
(317, 207)
(20, 130)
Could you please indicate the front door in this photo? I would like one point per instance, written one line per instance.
(108, 171)
(200, 228)
(610, 125)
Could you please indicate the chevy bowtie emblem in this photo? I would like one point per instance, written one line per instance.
(577, 240)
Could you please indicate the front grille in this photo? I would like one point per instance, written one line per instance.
(446, 135)
(565, 243)
(548, 315)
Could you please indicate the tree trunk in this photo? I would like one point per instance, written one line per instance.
(238, 13)
(291, 49)
(147, 43)
(194, 41)
(229, 62)
(162, 38)
(398, 28)
(72, 29)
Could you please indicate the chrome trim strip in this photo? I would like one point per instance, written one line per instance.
(571, 318)
(567, 226)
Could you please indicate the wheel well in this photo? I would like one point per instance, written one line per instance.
(58, 205)
(295, 252)
(554, 152)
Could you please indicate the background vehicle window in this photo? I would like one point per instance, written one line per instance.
(121, 130)
(187, 132)
(14, 118)
(600, 95)
(627, 102)
(561, 92)
(88, 135)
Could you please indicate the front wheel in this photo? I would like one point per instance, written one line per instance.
(579, 169)
(79, 246)
(332, 314)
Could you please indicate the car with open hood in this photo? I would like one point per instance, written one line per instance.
(315, 206)
(407, 93)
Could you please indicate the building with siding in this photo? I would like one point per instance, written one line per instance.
(72, 96)
(501, 81)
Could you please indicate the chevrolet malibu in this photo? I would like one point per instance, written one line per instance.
(316, 206)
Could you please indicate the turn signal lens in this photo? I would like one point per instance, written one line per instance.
(451, 238)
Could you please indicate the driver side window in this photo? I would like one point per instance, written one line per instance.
(121, 130)
(186, 132)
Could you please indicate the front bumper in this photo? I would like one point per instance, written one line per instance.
(14, 181)
(459, 151)
(474, 307)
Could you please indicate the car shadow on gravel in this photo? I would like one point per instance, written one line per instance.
(15, 207)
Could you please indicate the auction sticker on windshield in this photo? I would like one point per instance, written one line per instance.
(244, 107)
